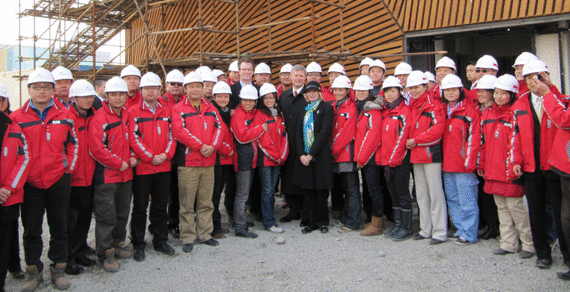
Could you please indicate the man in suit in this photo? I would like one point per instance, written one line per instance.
(245, 66)
(99, 85)
(292, 101)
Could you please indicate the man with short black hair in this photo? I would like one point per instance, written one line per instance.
(99, 85)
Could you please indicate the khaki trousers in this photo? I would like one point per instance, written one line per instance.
(513, 224)
(196, 186)
(431, 200)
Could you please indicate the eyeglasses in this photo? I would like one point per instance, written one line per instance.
(45, 87)
(175, 84)
(482, 70)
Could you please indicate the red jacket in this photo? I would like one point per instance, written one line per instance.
(522, 142)
(496, 134)
(461, 139)
(134, 100)
(151, 136)
(486, 120)
(344, 131)
(328, 95)
(369, 133)
(427, 126)
(194, 129)
(227, 146)
(556, 109)
(396, 129)
(14, 162)
(52, 144)
(82, 176)
(109, 145)
(246, 132)
(168, 100)
(274, 144)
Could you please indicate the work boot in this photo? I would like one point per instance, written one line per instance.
(405, 231)
(58, 277)
(109, 263)
(397, 222)
(375, 228)
(122, 251)
(34, 279)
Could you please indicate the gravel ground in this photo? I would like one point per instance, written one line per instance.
(318, 262)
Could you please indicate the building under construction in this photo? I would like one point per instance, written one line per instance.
(164, 34)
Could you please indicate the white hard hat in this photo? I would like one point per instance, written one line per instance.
(40, 75)
(314, 67)
(378, 63)
(234, 66)
(486, 82)
(336, 67)
(130, 71)
(192, 77)
(391, 81)
(403, 69)
(4, 91)
(363, 82)
(116, 84)
(221, 87)
(202, 70)
(446, 62)
(61, 73)
(81, 87)
(218, 72)
(341, 82)
(534, 66)
(262, 68)
(429, 76)
(248, 92)
(286, 68)
(175, 76)
(267, 88)
(416, 78)
(150, 79)
(508, 82)
(451, 81)
(208, 76)
(523, 58)
(365, 61)
(487, 62)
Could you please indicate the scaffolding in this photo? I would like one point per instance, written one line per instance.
(101, 20)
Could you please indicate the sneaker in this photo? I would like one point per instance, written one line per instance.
(187, 247)
(246, 233)
(275, 229)
(139, 255)
(345, 229)
(463, 242)
(526, 254)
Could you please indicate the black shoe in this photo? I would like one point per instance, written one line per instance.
(564, 276)
(85, 261)
(175, 232)
(324, 229)
(289, 218)
(492, 231)
(249, 224)
(165, 249)
(187, 247)
(543, 263)
(73, 270)
(246, 234)
(303, 224)
(434, 241)
(211, 242)
(89, 250)
(307, 230)
(419, 237)
(139, 255)
(501, 251)
(18, 275)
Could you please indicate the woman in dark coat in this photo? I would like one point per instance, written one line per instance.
(313, 168)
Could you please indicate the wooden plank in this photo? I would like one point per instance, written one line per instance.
(507, 7)
(446, 13)
(475, 14)
(454, 12)
(433, 11)
(420, 15)
(439, 14)
(531, 8)
(468, 12)
(549, 7)
(539, 7)
(566, 6)
(482, 13)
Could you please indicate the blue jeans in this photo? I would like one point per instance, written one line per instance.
(352, 200)
(461, 192)
(268, 176)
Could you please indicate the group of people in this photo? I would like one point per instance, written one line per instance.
(75, 149)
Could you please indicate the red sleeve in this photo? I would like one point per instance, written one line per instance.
(515, 149)
(16, 142)
(181, 133)
(473, 142)
(138, 146)
(98, 150)
(244, 134)
(347, 133)
(400, 150)
(372, 137)
(556, 111)
(434, 134)
(72, 145)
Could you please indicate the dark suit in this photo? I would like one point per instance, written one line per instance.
(234, 98)
(97, 103)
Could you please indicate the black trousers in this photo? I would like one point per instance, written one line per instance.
(399, 185)
(8, 223)
(538, 189)
(230, 192)
(318, 210)
(79, 221)
(55, 202)
(487, 206)
(221, 175)
(14, 264)
(337, 194)
(173, 203)
(565, 210)
(157, 186)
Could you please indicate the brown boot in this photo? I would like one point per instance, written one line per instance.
(123, 251)
(34, 279)
(375, 228)
(109, 263)
(58, 277)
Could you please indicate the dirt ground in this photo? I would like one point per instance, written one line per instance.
(318, 262)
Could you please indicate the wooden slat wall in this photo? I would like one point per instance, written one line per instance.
(430, 14)
(369, 29)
